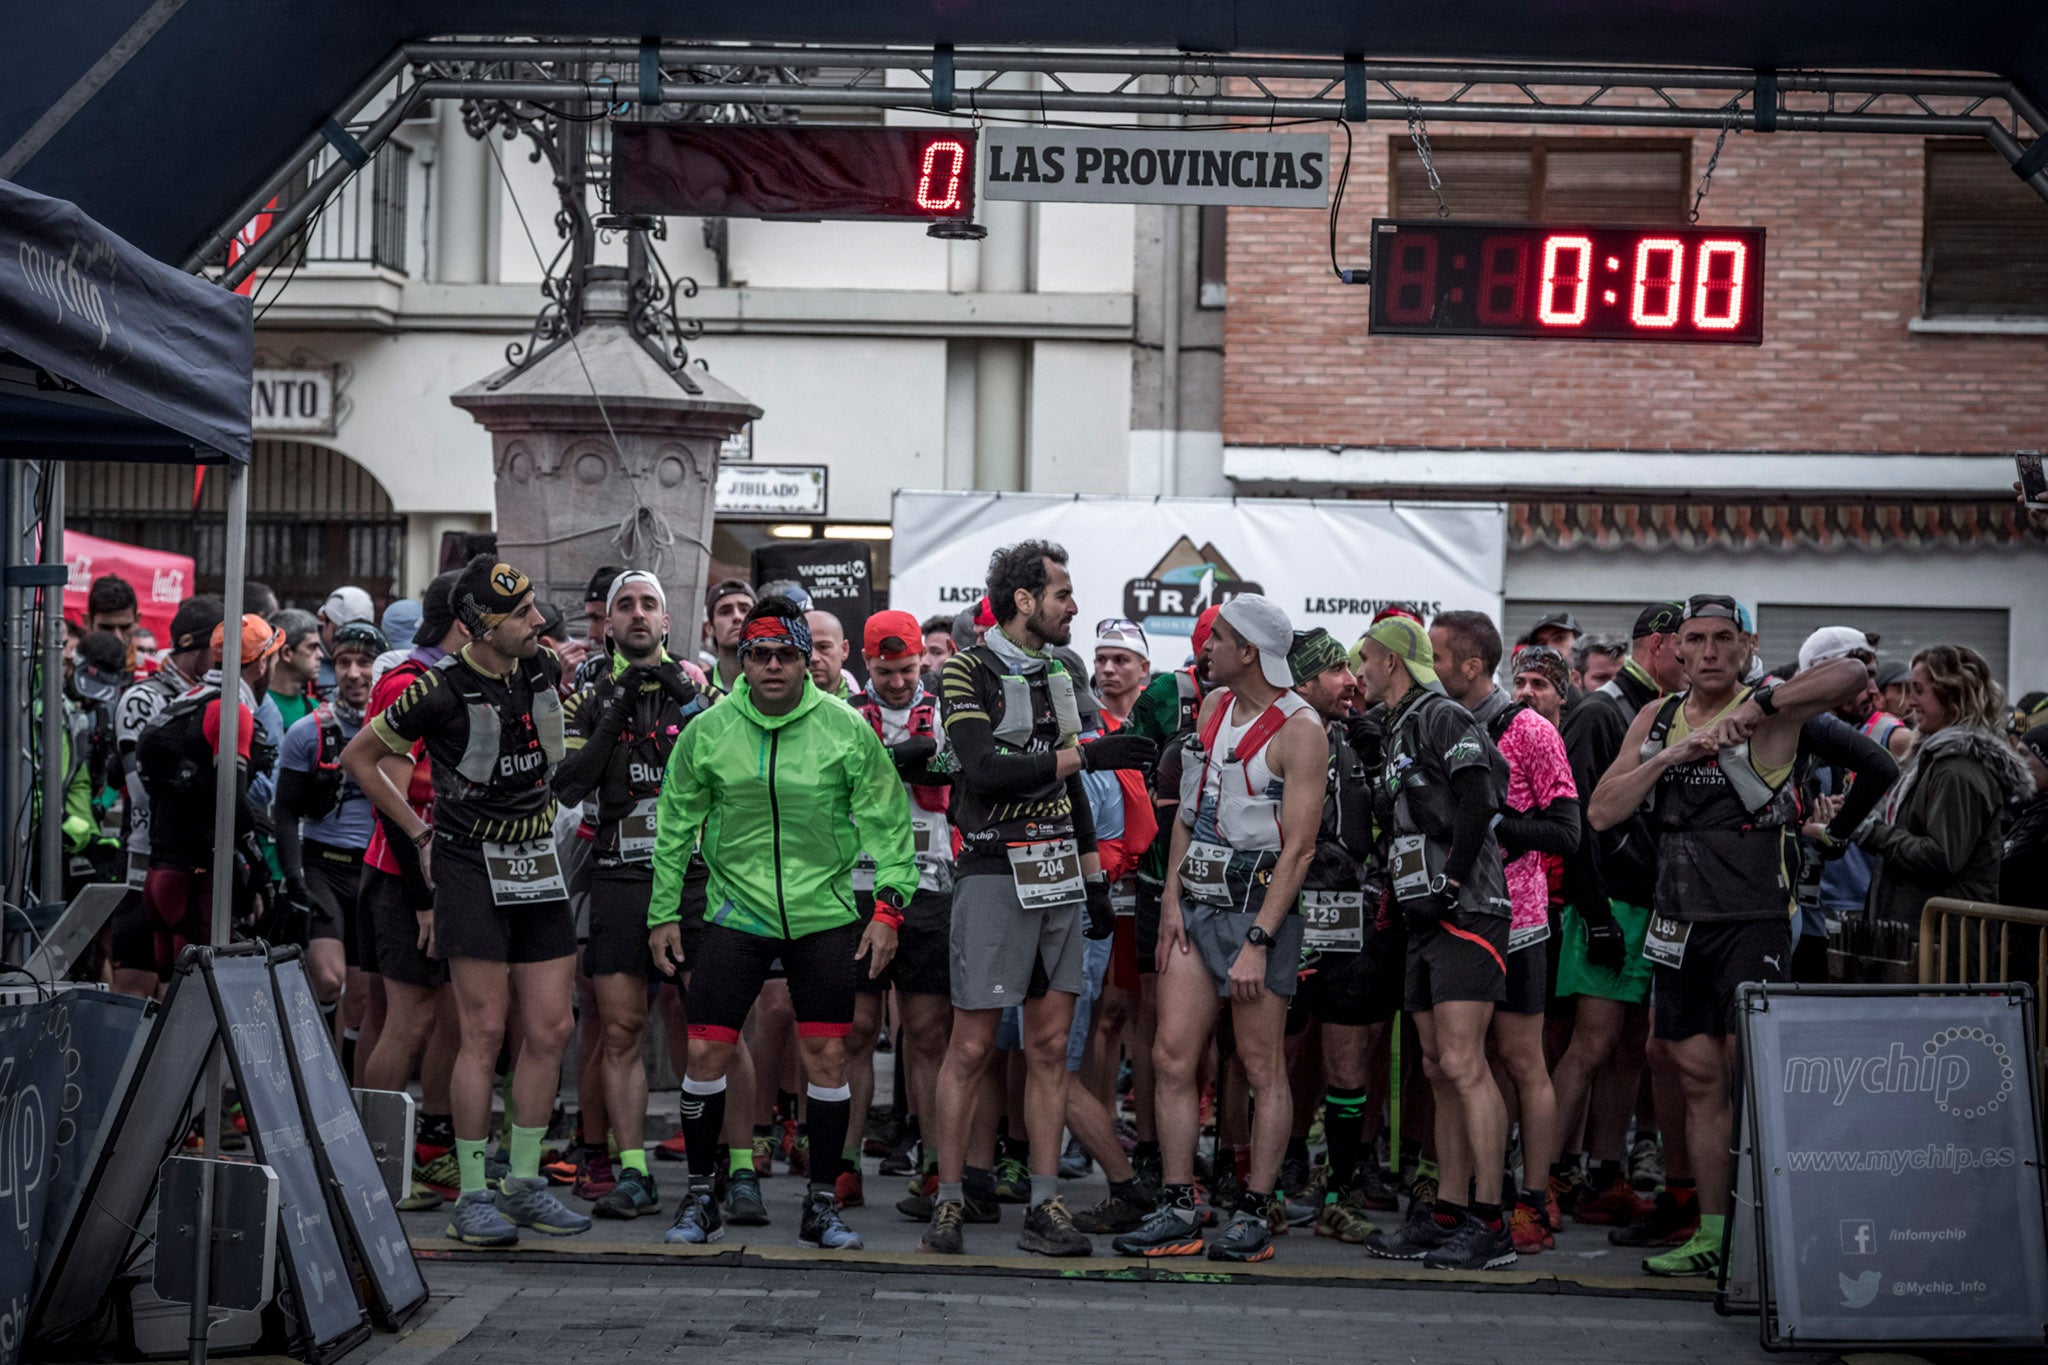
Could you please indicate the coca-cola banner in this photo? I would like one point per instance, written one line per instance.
(160, 580)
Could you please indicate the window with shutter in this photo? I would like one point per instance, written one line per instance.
(1984, 249)
(1546, 180)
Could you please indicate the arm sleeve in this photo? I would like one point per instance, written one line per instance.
(1552, 829)
(1471, 818)
(991, 775)
(591, 741)
(293, 791)
(1845, 749)
(881, 810)
(685, 801)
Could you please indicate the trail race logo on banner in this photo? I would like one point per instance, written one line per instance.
(1184, 583)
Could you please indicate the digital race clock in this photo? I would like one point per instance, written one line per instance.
(1691, 284)
(704, 170)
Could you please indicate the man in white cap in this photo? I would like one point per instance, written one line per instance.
(1251, 802)
(1123, 665)
(345, 604)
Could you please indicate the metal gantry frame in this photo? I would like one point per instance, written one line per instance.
(970, 83)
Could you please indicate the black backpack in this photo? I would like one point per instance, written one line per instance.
(174, 760)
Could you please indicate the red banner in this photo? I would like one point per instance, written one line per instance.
(160, 580)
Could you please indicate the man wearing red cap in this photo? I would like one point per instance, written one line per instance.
(906, 718)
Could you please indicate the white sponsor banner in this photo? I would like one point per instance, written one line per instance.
(1105, 166)
(1162, 561)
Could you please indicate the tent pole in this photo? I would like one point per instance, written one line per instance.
(15, 734)
(50, 854)
(226, 760)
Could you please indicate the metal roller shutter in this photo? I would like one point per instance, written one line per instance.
(1900, 630)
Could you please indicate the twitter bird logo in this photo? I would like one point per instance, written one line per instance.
(1859, 1292)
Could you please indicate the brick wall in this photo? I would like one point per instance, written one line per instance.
(1838, 369)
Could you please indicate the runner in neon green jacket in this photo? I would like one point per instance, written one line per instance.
(786, 803)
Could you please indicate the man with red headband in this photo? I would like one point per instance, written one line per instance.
(906, 718)
(786, 788)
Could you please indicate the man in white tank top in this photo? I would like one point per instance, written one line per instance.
(1227, 926)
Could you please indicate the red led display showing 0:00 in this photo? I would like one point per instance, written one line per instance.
(1690, 284)
(815, 172)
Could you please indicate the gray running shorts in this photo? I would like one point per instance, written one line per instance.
(998, 945)
(1218, 934)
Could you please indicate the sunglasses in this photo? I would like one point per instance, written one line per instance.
(1117, 625)
(1714, 605)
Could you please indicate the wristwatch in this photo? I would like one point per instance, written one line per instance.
(1258, 937)
(1763, 699)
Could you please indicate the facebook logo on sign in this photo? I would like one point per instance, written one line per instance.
(1859, 1237)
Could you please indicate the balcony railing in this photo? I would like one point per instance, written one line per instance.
(364, 223)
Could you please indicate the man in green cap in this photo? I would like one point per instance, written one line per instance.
(1440, 786)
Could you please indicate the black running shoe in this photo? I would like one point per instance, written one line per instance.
(1412, 1241)
(1049, 1230)
(1245, 1238)
(1473, 1246)
(744, 1206)
(902, 1158)
(1113, 1215)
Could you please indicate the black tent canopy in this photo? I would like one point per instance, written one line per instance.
(96, 105)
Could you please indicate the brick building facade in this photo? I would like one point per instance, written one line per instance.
(1856, 465)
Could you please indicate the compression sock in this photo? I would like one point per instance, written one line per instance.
(1344, 1129)
(739, 1160)
(1489, 1214)
(703, 1113)
(525, 1154)
(634, 1159)
(1133, 1191)
(825, 1123)
(469, 1159)
(1181, 1199)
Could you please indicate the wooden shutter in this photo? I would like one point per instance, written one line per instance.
(1985, 248)
(1586, 183)
(1486, 183)
(1550, 180)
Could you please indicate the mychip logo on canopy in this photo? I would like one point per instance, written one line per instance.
(1967, 1072)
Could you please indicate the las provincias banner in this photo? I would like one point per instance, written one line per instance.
(1162, 561)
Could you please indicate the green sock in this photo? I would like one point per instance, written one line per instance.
(1710, 1227)
(740, 1159)
(634, 1159)
(931, 1161)
(1426, 1170)
(469, 1159)
(525, 1156)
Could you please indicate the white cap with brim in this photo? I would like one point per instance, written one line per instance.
(1829, 643)
(346, 604)
(1260, 622)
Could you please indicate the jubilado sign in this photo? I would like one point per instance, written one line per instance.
(1103, 166)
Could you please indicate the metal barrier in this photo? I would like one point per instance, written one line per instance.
(1945, 922)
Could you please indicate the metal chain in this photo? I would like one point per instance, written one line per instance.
(1733, 108)
(1418, 133)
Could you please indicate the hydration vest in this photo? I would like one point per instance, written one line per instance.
(331, 785)
(923, 723)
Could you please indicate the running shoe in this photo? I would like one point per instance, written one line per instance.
(442, 1174)
(744, 1207)
(1667, 1224)
(1075, 1163)
(799, 1160)
(496, 1168)
(1292, 1210)
(1223, 1194)
(420, 1198)
(475, 1221)
(1527, 1231)
(848, 1191)
(1701, 1255)
(566, 1168)
(903, 1158)
(1378, 1191)
(1412, 1241)
(1566, 1189)
(1473, 1246)
(1344, 1217)
(917, 1206)
(1206, 1206)
(598, 1177)
(822, 1228)
(943, 1237)
(1646, 1163)
(764, 1155)
(1166, 1231)
(1049, 1230)
(1115, 1214)
(1151, 1169)
(1422, 1194)
(1245, 1238)
(1013, 1181)
(1615, 1206)
(882, 1136)
(630, 1196)
(1294, 1177)
(672, 1148)
(531, 1204)
(697, 1221)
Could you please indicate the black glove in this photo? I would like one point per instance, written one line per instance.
(1605, 946)
(676, 683)
(1101, 914)
(625, 695)
(913, 754)
(1366, 737)
(1431, 908)
(1125, 752)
